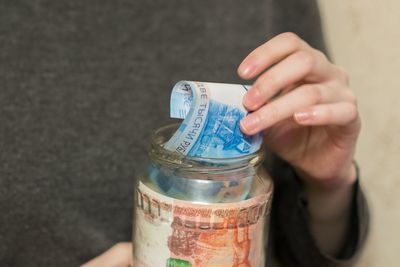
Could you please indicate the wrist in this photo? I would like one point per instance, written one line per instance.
(329, 205)
(344, 179)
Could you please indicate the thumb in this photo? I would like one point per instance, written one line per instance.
(119, 255)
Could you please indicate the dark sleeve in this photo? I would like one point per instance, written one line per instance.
(299, 16)
(291, 239)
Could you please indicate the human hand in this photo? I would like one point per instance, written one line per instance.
(120, 255)
(304, 104)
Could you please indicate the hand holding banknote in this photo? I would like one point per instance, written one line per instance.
(313, 123)
(310, 118)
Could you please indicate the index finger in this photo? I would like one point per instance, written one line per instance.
(270, 53)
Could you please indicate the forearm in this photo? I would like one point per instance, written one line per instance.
(329, 208)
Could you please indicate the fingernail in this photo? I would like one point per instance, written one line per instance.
(249, 123)
(246, 70)
(302, 116)
(251, 98)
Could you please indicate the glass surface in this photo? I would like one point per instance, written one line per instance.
(200, 211)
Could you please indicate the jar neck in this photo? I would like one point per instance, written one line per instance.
(191, 166)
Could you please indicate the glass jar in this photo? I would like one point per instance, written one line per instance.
(200, 211)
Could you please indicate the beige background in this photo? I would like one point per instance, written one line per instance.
(364, 37)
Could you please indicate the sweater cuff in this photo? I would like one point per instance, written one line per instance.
(294, 242)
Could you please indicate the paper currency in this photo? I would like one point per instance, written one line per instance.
(171, 232)
(204, 191)
(211, 113)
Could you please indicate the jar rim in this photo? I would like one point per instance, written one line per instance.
(174, 159)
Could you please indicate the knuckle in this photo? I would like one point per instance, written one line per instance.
(320, 55)
(273, 113)
(272, 79)
(291, 38)
(351, 97)
(258, 117)
(307, 60)
(343, 74)
(269, 80)
(315, 94)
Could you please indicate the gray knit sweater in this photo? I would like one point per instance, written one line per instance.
(82, 85)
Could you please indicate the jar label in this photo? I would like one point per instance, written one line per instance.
(175, 233)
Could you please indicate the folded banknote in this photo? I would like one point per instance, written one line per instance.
(211, 113)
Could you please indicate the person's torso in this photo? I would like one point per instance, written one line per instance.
(82, 86)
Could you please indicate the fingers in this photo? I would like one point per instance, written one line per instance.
(300, 66)
(285, 106)
(270, 53)
(120, 255)
(342, 113)
(282, 64)
(287, 60)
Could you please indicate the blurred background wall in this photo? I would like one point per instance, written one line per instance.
(364, 37)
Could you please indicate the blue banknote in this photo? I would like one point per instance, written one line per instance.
(211, 113)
